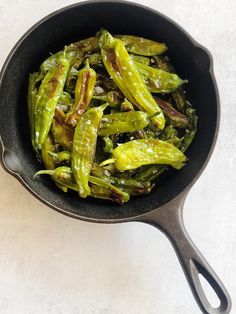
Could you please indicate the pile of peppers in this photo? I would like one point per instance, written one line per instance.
(108, 114)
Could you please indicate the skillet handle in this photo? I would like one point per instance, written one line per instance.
(169, 219)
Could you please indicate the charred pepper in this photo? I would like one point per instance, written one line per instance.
(121, 68)
(121, 122)
(142, 46)
(83, 94)
(84, 146)
(134, 154)
(48, 95)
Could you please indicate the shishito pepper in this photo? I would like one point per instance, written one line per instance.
(142, 46)
(34, 78)
(84, 147)
(177, 118)
(157, 80)
(83, 94)
(121, 68)
(49, 162)
(134, 154)
(121, 122)
(47, 147)
(48, 95)
(99, 188)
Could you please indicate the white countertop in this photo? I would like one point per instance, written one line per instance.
(52, 264)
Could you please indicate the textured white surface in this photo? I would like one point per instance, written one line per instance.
(52, 264)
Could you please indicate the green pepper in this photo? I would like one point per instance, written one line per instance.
(157, 80)
(122, 122)
(48, 95)
(142, 46)
(48, 146)
(99, 188)
(102, 189)
(84, 147)
(75, 52)
(49, 162)
(83, 94)
(134, 154)
(84, 46)
(31, 100)
(128, 185)
(121, 68)
(62, 175)
(177, 118)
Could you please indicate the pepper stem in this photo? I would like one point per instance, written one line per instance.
(103, 98)
(86, 63)
(49, 172)
(107, 162)
(53, 155)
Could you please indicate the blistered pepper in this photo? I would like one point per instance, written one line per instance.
(142, 46)
(134, 154)
(99, 188)
(75, 52)
(49, 162)
(31, 101)
(129, 185)
(84, 147)
(47, 147)
(121, 68)
(122, 122)
(83, 95)
(157, 80)
(48, 95)
(177, 118)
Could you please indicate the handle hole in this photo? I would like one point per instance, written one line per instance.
(209, 291)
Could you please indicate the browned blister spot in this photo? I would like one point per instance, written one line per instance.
(171, 111)
(53, 85)
(59, 115)
(111, 57)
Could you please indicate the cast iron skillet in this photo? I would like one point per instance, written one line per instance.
(163, 207)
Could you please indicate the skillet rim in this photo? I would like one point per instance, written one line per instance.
(211, 148)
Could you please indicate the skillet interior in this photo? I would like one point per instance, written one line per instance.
(74, 23)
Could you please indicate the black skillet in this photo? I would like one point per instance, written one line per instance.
(163, 207)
